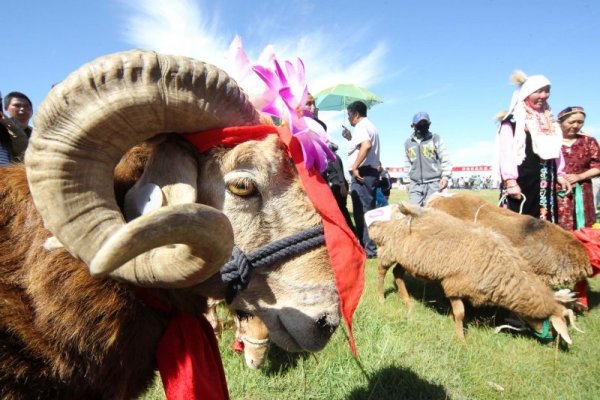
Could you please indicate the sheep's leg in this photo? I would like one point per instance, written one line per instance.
(383, 268)
(213, 318)
(402, 291)
(458, 309)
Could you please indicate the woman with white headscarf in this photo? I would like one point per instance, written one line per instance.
(529, 144)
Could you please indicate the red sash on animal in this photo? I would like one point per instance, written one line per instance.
(346, 254)
(590, 238)
(188, 355)
(189, 360)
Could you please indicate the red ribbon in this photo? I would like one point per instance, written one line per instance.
(228, 137)
(345, 253)
(189, 360)
(590, 238)
(188, 355)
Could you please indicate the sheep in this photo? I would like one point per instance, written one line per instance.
(77, 281)
(555, 255)
(251, 334)
(469, 261)
(252, 338)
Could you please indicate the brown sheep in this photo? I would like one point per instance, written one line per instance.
(251, 334)
(469, 261)
(66, 333)
(555, 255)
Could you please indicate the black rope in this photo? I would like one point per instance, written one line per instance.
(236, 273)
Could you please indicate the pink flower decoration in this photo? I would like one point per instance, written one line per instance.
(239, 67)
(288, 105)
(275, 81)
(315, 147)
(281, 93)
(237, 63)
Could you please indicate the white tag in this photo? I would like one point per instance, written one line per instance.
(378, 214)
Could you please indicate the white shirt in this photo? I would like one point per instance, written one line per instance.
(364, 130)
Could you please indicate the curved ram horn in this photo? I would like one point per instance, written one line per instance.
(560, 326)
(205, 236)
(570, 315)
(87, 122)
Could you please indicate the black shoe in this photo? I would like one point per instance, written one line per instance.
(371, 257)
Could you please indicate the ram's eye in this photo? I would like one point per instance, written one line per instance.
(243, 187)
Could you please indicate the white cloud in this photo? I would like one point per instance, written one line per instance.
(175, 27)
(365, 71)
(186, 27)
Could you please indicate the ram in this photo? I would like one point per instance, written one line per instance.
(97, 247)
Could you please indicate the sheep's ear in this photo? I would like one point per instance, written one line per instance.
(560, 325)
(410, 209)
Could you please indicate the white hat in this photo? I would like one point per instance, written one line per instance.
(529, 85)
(533, 83)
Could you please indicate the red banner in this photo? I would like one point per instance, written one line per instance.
(474, 168)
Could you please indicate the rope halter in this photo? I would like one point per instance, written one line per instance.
(236, 273)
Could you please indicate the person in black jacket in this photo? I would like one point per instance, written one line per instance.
(334, 176)
(14, 127)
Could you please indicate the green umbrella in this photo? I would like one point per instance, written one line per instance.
(338, 97)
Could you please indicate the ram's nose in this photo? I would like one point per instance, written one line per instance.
(327, 323)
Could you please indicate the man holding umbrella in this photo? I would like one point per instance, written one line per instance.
(363, 158)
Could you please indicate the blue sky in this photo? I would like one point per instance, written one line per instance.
(452, 59)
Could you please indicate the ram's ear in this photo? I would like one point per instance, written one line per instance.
(410, 209)
(560, 326)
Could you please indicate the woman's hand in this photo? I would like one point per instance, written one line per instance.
(565, 184)
(512, 188)
(572, 178)
(443, 183)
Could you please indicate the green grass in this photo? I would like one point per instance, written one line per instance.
(419, 357)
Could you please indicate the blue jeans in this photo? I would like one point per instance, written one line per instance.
(363, 200)
(380, 200)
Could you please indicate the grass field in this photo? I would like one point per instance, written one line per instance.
(419, 357)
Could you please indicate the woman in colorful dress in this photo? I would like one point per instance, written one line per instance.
(582, 162)
(529, 149)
